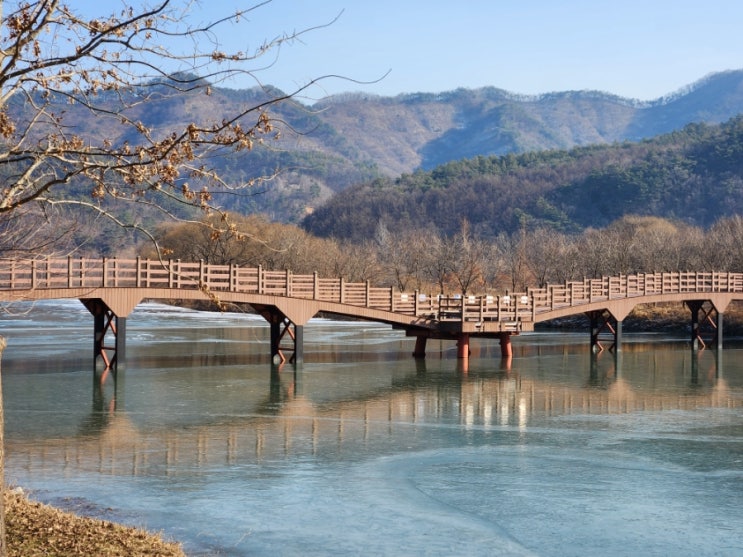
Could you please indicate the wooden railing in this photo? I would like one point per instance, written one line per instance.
(511, 307)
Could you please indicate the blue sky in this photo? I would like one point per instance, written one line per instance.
(640, 49)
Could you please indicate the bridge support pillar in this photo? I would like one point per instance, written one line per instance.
(604, 326)
(109, 337)
(506, 350)
(705, 318)
(420, 347)
(463, 346)
(287, 338)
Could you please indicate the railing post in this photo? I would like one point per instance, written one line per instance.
(343, 291)
(288, 279)
(392, 299)
(46, 277)
(315, 286)
(233, 277)
(104, 280)
(137, 272)
(202, 274)
(415, 302)
(571, 293)
(261, 279)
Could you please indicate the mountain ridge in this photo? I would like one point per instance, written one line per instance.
(347, 139)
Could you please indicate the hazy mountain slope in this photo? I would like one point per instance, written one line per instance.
(425, 130)
(694, 175)
(348, 139)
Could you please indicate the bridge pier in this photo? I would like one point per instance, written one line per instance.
(506, 350)
(109, 336)
(463, 346)
(287, 338)
(604, 326)
(704, 312)
(419, 352)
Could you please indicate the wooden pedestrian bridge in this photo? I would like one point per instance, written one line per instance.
(111, 288)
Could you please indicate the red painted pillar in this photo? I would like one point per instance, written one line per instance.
(463, 346)
(506, 350)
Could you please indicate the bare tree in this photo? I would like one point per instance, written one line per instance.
(75, 95)
(547, 252)
(57, 67)
(724, 245)
(437, 262)
(403, 256)
(513, 247)
(468, 259)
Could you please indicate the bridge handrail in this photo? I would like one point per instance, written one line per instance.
(71, 272)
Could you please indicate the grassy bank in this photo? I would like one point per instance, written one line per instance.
(35, 530)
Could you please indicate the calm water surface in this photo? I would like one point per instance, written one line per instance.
(363, 450)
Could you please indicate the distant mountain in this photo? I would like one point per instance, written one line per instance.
(694, 175)
(354, 138)
(426, 130)
(390, 136)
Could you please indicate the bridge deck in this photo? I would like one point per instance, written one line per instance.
(121, 284)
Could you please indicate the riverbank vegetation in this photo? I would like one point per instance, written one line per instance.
(465, 262)
(36, 530)
(691, 175)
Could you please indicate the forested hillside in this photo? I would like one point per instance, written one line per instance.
(345, 140)
(694, 176)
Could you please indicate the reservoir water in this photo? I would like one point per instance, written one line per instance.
(365, 451)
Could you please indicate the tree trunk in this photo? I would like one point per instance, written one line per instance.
(3, 548)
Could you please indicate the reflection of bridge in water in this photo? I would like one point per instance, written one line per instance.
(287, 421)
(111, 288)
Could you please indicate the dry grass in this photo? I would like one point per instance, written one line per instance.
(33, 529)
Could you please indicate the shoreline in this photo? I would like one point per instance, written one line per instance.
(36, 529)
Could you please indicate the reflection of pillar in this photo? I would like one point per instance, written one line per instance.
(594, 369)
(463, 366)
(463, 346)
(718, 364)
(719, 330)
(298, 344)
(274, 388)
(420, 366)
